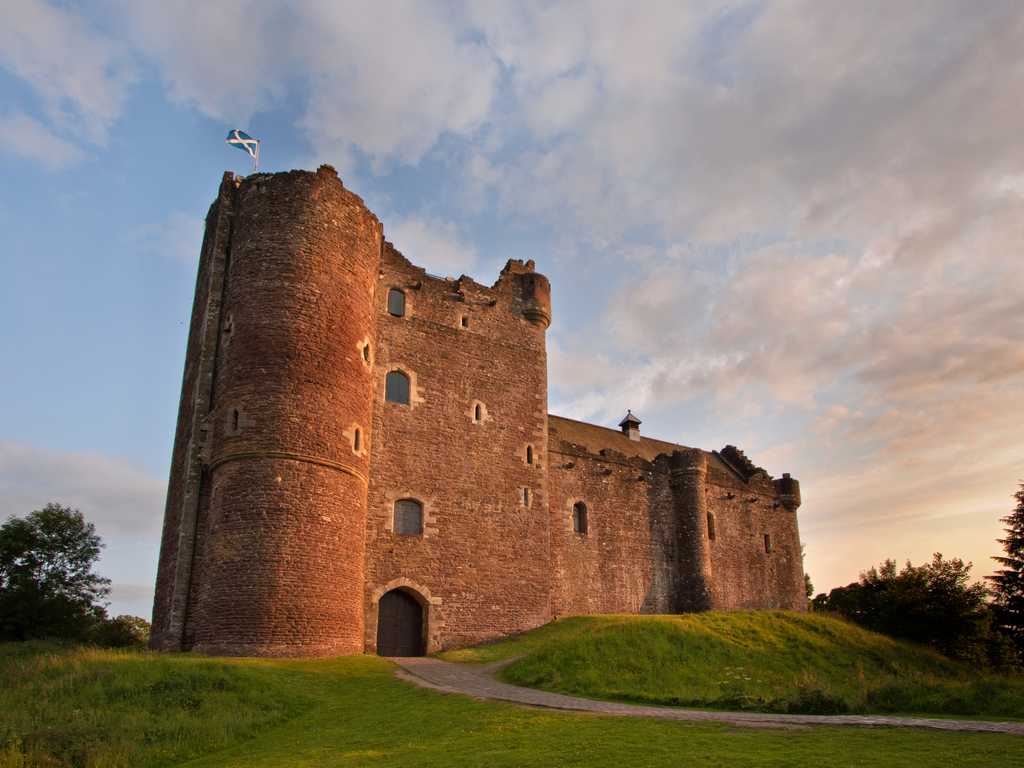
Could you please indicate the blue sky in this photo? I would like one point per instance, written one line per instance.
(780, 225)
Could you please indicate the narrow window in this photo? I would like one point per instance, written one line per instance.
(767, 544)
(579, 517)
(465, 322)
(396, 303)
(366, 353)
(529, 454)
(408, 517)
(357, 440)
(478, 413)
(396, 388)
(711, 527)
(234, 420)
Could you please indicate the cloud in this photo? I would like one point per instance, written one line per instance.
(30, 139)
(432, 243)
(381, 81)
(81, 75)
(118, 498)
(180, 238)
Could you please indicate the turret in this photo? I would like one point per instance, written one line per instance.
(789, 492)
(536, 298)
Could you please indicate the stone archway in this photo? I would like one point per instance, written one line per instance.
(399, 625)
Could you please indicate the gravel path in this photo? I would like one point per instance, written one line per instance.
(479, 681)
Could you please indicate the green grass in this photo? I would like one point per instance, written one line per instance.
(63, 706)
(66, 705)
(749, 660)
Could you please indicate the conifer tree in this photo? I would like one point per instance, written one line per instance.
(1009, 582)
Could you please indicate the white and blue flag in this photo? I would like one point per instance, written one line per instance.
(243, 141)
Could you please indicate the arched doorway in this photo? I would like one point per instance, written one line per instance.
(399, 625)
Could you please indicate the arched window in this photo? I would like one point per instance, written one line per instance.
(711, 527)
(357, 440)
(478, 413)
(579, 517)
(396, 302)
(529, 454)
(366, 353)
(233, 420)
(767, 544)
(408, 517)
(396, 388)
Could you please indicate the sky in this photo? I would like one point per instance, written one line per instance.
(792, 226)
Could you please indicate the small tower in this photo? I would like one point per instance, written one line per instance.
(631, 426)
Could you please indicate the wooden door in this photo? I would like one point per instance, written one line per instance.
(399, 625)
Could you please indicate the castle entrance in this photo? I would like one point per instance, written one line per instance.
(399, 625)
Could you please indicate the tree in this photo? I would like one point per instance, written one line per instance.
(122, 632)
(1009, 582)
(934, 604)
(47, 586)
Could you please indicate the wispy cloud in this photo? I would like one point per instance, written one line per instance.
(432, 243)
(180, 237)
(81, 75)
(30, 139)
(121, 500)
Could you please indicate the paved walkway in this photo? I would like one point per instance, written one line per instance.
(479, 681)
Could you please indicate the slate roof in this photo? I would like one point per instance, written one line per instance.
(595, 438)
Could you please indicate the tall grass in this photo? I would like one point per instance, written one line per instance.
(73, 706)
(756, 660)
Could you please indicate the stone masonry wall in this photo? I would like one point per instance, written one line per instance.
(185, 486)
(625, 561)
(282, 567)
(745, 575)
(648, 547)
(480, 566)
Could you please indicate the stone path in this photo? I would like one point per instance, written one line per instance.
(479, 681)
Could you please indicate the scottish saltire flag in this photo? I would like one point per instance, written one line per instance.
(242, 141)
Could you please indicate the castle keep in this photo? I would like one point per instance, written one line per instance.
(364, 460)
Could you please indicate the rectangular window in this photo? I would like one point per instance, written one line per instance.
(396, 302)
(408, 517)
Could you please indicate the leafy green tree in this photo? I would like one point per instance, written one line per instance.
(47, 586)
(122, 632)
(934, 604)
(1009, 582)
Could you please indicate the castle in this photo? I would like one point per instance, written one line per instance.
(364, 460)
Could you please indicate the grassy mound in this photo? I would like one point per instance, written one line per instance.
(749, 660)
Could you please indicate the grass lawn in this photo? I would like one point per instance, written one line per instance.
(364, 716)
(65, 706)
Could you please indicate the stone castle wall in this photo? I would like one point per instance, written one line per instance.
(480, 565)
(279, 534)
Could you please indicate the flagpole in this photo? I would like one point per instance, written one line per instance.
(257, 160)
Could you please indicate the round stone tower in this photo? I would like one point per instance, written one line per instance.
(689, 475)
(291, 408)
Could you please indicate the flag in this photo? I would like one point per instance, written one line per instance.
(243, 141)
